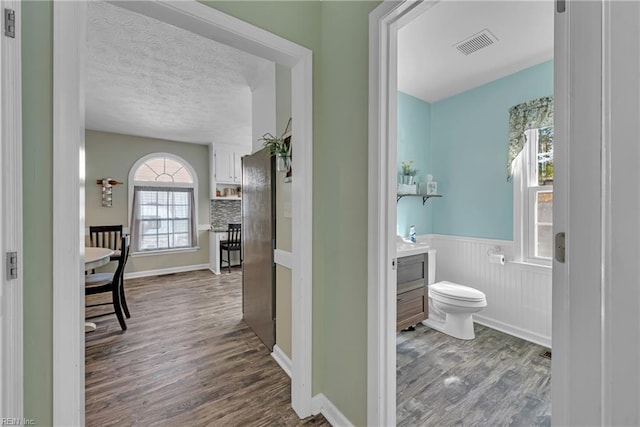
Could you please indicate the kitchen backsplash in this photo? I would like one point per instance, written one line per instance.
(225, 212)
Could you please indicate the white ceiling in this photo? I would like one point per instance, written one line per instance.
(148, 78)
(431, 68)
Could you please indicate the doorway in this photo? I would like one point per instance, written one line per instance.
(465, 87)
(69, 31)
(589, 379)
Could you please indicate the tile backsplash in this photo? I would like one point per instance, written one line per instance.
(225, 212)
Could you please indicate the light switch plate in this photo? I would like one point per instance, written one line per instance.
(286, 210)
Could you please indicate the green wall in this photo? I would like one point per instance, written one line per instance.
(113, 155)
(337, 33)
(37, 152)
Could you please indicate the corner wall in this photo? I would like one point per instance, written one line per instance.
(283, 218)
(414, 143)
(469, 137)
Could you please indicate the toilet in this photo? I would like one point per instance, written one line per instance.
(451, 306)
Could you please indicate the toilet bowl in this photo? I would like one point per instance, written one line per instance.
(451, 305)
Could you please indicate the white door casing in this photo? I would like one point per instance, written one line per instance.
(69, 30)
(384, 22)
(11, 305)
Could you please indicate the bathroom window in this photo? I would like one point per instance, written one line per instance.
(162, 204)
(534, 184)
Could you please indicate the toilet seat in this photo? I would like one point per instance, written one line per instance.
(456, 292)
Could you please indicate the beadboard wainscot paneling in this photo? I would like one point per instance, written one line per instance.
(518, 295)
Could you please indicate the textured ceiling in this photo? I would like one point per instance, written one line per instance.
(148, 78)
(431, 68)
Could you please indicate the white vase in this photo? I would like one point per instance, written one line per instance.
(406, 179)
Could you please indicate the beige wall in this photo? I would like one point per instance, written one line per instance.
(111, 155)
(283, 221)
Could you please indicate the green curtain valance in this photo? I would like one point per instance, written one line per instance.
(534, 114)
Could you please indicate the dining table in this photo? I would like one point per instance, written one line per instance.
(94, 258)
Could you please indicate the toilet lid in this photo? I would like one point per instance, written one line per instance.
(456, 291)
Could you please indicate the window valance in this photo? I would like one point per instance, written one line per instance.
(534, 114)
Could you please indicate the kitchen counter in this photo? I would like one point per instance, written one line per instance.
(218, 236)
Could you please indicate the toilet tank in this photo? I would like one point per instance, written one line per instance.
(431, 266)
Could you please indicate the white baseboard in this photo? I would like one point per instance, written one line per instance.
(320, 404)
(161, 271)
(282, 359)
(512, 330)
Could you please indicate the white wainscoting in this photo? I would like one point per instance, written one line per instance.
(518, 296)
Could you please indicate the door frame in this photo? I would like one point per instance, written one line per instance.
(68, 210)
(384, 23)
(595, 294)
(11, 291)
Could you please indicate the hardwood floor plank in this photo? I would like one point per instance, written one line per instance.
(187, 359)
(494, 380)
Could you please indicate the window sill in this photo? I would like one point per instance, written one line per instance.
(538, 267)
(165, 252)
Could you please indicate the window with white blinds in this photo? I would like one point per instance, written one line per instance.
(163, 204)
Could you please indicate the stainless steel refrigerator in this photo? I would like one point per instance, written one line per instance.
(258, 243)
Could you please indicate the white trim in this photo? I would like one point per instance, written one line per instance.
(69, 30)
(125, 230)
(322, 405)
(481, 240)
(282, 359)
(384, 22)
(11, 293)
(68, 212)
(512, 330)
(165, 252)
(169, 270)
(283, 258)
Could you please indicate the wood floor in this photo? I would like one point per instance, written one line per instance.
(493, 380)
(187, 359)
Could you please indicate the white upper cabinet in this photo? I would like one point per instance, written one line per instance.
(226, 166)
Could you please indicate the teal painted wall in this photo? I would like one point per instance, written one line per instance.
(469, 149)
(414, 143)
(337, 33)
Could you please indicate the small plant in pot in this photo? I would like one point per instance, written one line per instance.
(278, 147)
(408, 173)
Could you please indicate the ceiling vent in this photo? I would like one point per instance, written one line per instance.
(476, 42)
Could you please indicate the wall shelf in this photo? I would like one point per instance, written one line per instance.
(425, 197)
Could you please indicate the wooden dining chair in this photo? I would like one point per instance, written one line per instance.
(232, 244)
(106, 236)
(114, 283)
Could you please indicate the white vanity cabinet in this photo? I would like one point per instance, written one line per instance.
(226, 166)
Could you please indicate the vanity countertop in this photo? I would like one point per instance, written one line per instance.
(404, 248)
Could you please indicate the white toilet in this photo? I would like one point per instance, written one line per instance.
(451, 306)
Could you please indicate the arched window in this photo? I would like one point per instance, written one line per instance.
(162, 189)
